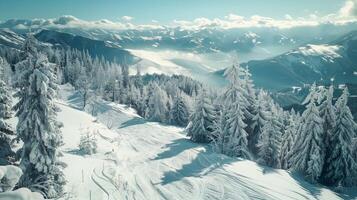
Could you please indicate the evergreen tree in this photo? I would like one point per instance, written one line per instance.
(83, 85)
(125, 72)
(179, 112)
(37, 126)
(249, 94)
(88, 143)
(236, 143)
(354, 150)
(219, 136)
(201, 120)
(269, 142)
(5, 130)
(5, 71)
(259, 120)
(308, 148)
(288, 140)
(235, 105)
(157, 105)
(340, 164)
(328, 115)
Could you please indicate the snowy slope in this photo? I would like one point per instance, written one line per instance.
(144, 160)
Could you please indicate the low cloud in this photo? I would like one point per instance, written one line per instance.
(345, 15)
(349, 9)
(127, 18)
(236, 21)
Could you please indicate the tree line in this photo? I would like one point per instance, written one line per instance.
(245, 122)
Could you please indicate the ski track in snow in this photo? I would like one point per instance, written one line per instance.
(146, 160)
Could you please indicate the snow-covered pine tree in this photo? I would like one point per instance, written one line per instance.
(179, 112)
(125, 72)
(37, 126)
(288, 140)
(5, 129)
(270, 141)
(29, 48)
(201, 120)
(249, 94)
(134, 97)
(328, 115)
(219, 134)
(340, 163)
(307, 156)
(5, 73)
(259, 120)
(354, 152)
(157, 105)
(235, 107)
(88, 143)
(83, 85)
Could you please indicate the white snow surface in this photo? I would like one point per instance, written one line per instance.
(9, 176)
(330, 51)
(315, 56)
(137, 159)
(21, 194)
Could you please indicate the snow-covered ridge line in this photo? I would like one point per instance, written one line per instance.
(332, 51)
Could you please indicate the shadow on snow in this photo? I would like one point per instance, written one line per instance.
(204, 162)
(176, 147)
(132, 122)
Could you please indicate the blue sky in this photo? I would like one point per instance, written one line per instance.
(164, 11)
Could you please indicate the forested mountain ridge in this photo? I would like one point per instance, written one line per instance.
(94, 47)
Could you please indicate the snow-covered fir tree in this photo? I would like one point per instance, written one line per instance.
(83, 85)
(201, 120)
(259, 120)
(157, 105)
(340, 164)
(328, 115)
(180, 112)
(354, 152)
(287, 141)
(219, 136)
(88, 143)
(5, 129)
(235, 107)
(5, 71)
(269, 142)
(307, 156)
(249, 94)
(37, 126)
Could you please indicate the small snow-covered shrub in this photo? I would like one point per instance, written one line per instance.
(88, 143)
(9, 177)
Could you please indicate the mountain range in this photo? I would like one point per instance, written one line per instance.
(280, 60)
(204, 39)
(334, 62)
